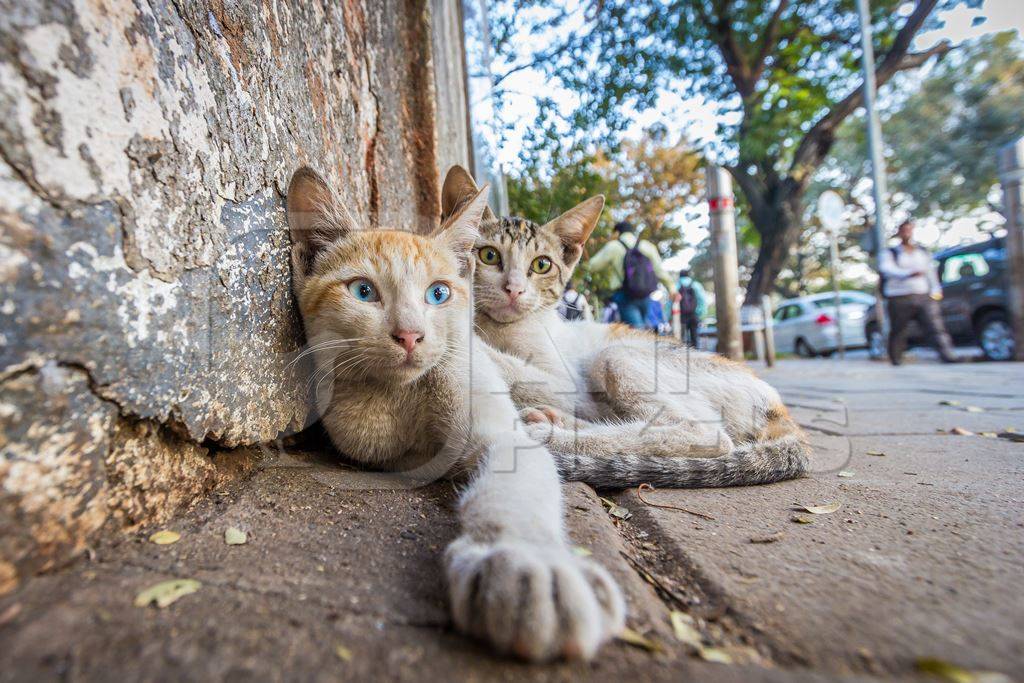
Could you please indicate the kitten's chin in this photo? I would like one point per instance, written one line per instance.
(408, 374)
(505, 314)
(407, 371)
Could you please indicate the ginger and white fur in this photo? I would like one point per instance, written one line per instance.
(617, 407)
(413, 390)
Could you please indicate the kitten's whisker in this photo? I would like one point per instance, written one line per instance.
(335, 343)
(336, 368)
(325, 369)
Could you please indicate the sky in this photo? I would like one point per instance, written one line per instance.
(696, 117)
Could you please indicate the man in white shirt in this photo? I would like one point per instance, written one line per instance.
(912, 292)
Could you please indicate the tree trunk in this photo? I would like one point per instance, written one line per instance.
(779, 227)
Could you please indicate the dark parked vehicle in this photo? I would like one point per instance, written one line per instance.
(974, 300)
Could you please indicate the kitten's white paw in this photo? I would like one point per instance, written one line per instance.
(533, 601)
(542, 414)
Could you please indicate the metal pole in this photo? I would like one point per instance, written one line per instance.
(834, 257)
(723, 248)
(769, 333)
(875, 145)
(1011, 176)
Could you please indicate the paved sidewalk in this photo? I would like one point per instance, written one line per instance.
(337, 582)
(924, 557)
(334, 583)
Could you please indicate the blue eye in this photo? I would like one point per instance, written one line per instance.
(438, 293)
(363, 290)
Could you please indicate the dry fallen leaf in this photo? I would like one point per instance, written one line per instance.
(987, 435)
(167, 592)
(715, 654)
(164, 537)
(949, 403)
(616, 510)
(233, 536)
(771, 538)
(344, 654)
(801, 520)
(956, 674)
(628, 635)
(684, 629)
(10, 614)
(960, 431)
(826, 509)
(732, 654)
(974, 409)
(878, 454)
(580, 551)
(845, 474)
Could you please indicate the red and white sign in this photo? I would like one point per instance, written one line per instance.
(720, 203)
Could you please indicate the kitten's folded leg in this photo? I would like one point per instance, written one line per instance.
(532, 386)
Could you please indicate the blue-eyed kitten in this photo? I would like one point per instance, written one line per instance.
(388, 314)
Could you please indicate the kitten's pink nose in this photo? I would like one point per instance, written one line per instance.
(514, 290)
(408, 339)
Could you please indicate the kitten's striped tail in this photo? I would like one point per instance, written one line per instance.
(758, 462)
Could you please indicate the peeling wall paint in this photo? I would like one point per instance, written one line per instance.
(145, 305)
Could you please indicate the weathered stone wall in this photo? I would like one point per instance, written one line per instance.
(146, 318)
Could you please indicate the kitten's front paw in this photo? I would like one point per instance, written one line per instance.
(533, 601)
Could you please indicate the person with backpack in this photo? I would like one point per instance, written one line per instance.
(910, 285)
(634, 270)
(573, 305)
(693, 304)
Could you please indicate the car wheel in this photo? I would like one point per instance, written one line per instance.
(803, 349)
(876, 341)
(995, 336)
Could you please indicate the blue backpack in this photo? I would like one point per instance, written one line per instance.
(639, 281)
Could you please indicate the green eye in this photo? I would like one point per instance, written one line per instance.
(541, 265)
(489, 256)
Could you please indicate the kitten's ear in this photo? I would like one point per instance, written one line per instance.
(458, 189)
(315, 218)
(459, 231)
(575, 225)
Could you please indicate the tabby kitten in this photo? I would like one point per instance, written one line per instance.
(389, 317)
(616, 406)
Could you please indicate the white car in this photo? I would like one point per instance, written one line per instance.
(807, 325)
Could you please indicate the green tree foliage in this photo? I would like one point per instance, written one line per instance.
(784, 76)
(941, 140)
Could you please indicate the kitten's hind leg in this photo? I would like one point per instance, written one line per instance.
(683, 439)
(666, 416)
(646, 419)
